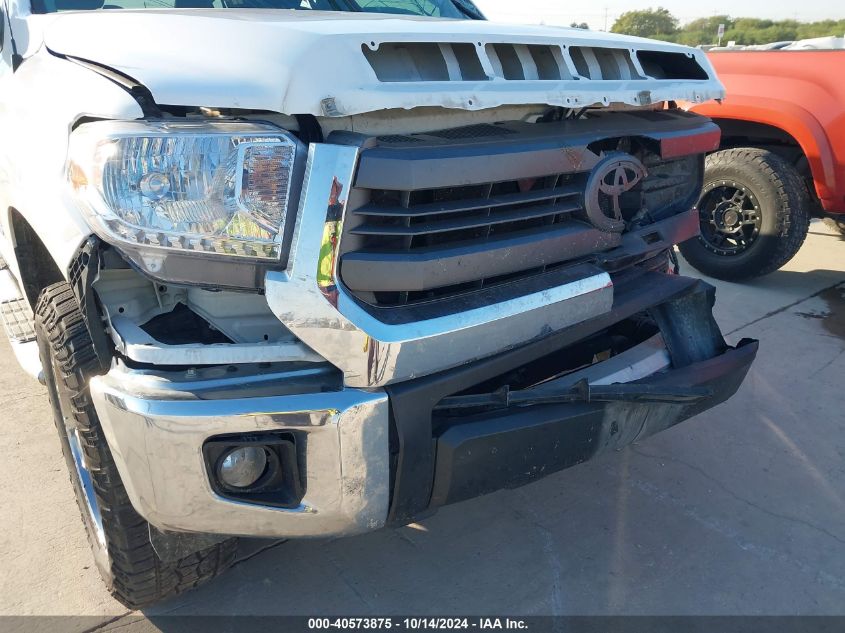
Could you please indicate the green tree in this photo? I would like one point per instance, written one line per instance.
(702, 30)
(658, 23)
(825, 28)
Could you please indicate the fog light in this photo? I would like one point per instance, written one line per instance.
(243, 466)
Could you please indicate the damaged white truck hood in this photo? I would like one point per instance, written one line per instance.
(339, 64)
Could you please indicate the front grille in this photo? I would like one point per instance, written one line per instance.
(427, 221)
(411, 220)
(404, 246)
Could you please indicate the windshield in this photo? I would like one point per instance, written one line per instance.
(430, 8)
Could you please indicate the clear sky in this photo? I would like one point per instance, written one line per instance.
(563, 12)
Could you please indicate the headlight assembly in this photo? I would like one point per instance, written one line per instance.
(220, 190)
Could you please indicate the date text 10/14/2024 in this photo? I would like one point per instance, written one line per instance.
(418, 623)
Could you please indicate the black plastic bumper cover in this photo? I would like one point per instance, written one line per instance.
(509, 447)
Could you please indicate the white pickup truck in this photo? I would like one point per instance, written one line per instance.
(309, 268)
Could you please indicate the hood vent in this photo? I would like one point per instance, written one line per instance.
(450, 61)
(604, 63)
(425, 61)
(527, 61)
(665, 65)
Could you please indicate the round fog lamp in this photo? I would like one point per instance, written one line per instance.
(243, 466)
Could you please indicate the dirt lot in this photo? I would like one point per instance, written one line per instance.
(740, 511)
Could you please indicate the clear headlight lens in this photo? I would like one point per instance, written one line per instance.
(217, 188)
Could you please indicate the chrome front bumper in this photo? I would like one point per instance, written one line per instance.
(357, 479)
(156, 436)
(156, 428)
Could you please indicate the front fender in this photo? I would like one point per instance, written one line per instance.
(40, 104)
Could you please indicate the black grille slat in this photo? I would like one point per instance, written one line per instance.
(478, 220)
(479, 130)
(458, 206)
(398, 138)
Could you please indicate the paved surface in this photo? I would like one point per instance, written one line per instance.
(741, 511)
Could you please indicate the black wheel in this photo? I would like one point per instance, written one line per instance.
(119, 537)
(753, 212)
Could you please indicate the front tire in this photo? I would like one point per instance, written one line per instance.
(119, 536)
(753, 213)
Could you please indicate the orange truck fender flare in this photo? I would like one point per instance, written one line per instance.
(791, 119)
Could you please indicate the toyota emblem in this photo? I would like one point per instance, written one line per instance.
(614, 175)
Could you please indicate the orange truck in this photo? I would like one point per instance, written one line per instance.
(781, 160)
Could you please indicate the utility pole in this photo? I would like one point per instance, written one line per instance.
(606, 9)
